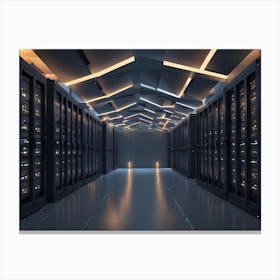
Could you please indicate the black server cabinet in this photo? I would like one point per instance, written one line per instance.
(115, 149)
(64, 161)
(110, 146)
(184, 150)
(245, 141)
(229, 137)
(212, 147)
(32, 140)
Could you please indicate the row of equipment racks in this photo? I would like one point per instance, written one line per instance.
(224, 138)
(62, 144)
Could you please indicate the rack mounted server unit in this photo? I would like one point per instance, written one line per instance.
(75, 143)
(183, 147)
(32, 140)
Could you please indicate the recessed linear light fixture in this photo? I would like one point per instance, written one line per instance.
(131, 116)
(155, 104)
(167, 111)
(183, 114)
(148, 110)
(167, 92)
(133, 124)
(193, 69)
(121, 124)
(118, 110)
(187, 106)
(110, 119)
(102, 72)
(160, 90)
(202, 67)
(145, 120)
(108, 95)
(143, 115)
(189, 79)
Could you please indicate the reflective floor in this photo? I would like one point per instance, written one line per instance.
(141, 199)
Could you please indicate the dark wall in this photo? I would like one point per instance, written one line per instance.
(143, 149)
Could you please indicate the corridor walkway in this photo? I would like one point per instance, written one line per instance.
(141, 199)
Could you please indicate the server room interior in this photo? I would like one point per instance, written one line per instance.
(140, 140)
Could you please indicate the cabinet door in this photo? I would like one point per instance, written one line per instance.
(69, 143)
(221, 143)
(215, 144)
(74, 144)
(232, 137)
(79, 143)
(253, 147)
(58, 141)
(242, 138)
(25, 139)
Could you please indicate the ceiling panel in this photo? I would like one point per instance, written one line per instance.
(87, 90)
(152, 54)
(101, 59)
(67, 65)
(173, 81)
(224, 61)
(111, 84)
(151, 78)
(199, 87)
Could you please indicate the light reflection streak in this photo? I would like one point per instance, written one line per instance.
(163, 216)
(117, 213)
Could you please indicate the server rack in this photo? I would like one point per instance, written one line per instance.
(61, 142)
(110, 148)
(212, 148)
(183, 147)
(64, 133)
(115, 149)
(245, 141)
(32, 140)
(229, 137)
(73, 139)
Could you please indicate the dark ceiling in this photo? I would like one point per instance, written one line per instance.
(148, 89)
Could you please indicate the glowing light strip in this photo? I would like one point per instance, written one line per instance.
(202, 67)
(160, 90)
(133, 124)
(185, 115)
(193, 69)
(155, 104)
(148, 110)
(146, 86)
(189, 79)
(118, 110)
(143, 115)
(110, 119)
(187, 106)
(145, 120)
(102, 72)
(108, 95)
(151, 102)
(121, 124)
(130, 116)
(167, 111)
(167, 92)
(207, 59)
